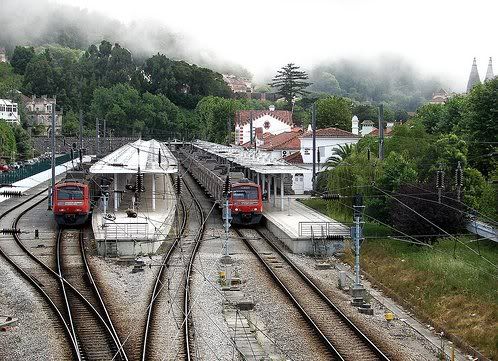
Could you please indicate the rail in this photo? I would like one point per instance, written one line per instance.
(301, 307)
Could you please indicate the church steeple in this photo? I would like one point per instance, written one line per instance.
(489, 73)
(474, 77)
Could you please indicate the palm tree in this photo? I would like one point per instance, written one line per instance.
(339, 154)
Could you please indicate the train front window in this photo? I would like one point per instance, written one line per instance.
(248, 193)
(70, 193)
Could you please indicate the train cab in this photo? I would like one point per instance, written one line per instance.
(71, 203)
(246, 202)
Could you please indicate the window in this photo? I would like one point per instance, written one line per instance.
(14, 108)
(49, 108)
(245, 193)
(70, 192)
(2, 107)
(306, 151)
(9, 108)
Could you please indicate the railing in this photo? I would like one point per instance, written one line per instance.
(322, 229)
(29, 170)
(126, 231)
(482, 229)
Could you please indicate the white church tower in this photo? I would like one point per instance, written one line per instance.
(354, 125)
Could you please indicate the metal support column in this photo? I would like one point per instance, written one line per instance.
(268, 188)
(51, 189)
(282, 192)
(263, 180)
(153, 192)
(274, 191)
(116, 201)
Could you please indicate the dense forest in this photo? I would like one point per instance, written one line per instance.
(440, 138)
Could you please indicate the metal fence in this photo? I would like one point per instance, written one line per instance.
(29, 170)
(322, 229)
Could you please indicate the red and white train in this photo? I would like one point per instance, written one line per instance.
(71, 203)
(245, 199)
(245, 202)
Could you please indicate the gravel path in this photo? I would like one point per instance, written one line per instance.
(38, 335)
(402, 341)
(127, 296)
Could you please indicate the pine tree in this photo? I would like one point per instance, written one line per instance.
(290, 82)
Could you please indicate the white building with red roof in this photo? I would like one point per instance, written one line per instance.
(269, 121)
(327, 140)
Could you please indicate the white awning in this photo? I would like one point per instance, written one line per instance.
(258, 161)
(146, 154)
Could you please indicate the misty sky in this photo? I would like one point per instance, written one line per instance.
(439, 37)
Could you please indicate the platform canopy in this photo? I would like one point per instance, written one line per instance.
(152, 156)
(258, 161)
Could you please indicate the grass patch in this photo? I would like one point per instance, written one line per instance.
(448, 285)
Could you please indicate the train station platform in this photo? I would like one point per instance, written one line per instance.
(303, 229)
(131, 222)
(300, 228)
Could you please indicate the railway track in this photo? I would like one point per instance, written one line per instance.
(173, 280)
(92, 326)
(338, 333)
(78, 316)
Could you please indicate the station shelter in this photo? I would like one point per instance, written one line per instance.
(301, 228)
(137, 210)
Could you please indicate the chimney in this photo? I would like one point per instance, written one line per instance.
(259, 133)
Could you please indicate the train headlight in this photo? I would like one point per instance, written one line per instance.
(236, 209)
(255, 209)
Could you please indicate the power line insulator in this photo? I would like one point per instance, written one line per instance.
(440, 179)
(335, 237)
(226, 186)
(140, 183)
(178, 185)
(11, 194)
(10, 231)
(331, 196)
(459, 175)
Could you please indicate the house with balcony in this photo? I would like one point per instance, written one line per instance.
(9, 111)
(39, 115)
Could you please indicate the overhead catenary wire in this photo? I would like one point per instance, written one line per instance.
(435, 225)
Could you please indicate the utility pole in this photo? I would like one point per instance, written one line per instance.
(439, 182)
(81, 129)
(381, 132)
(51, 189)
(358, 290)
(229, 128)
(459, 180)
(105, 145)
(250, 126)
(97, 135)
(313, 130)
(227, 217)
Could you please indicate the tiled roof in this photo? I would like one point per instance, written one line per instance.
(331, 133)
(375, 132)
(283, 141)
(294, 158)
(243, 116)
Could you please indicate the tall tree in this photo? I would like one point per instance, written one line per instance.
(290, 82)
(334, 112)
(481, 126)
(21, 57)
